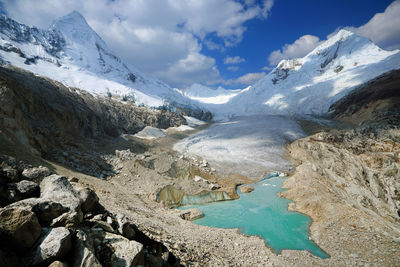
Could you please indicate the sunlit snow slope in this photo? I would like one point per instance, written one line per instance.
(72, 53)
(309, 85)
(207, 95)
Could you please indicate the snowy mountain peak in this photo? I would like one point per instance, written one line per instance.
(75, 29)
(74, 17)
(309, 85)
(71, 52)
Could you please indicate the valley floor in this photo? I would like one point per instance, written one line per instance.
(346, 180)
(351, 233)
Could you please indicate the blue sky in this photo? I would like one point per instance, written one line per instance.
(216, 42)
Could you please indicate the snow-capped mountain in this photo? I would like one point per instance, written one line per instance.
(309, 85)
(72, 53)
(207, 95)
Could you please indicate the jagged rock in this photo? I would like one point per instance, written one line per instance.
(88, 197)
(11, 173)
(126, 228)
(83, 255)
(214, 186)
(103, 225)
(126, 253)
(58, 189)
(45, 210)
(36, 173)
(191, 214)
(11, 194)
(19, 228)
(246, 188)
(27, 189)
(124, 154)
(58, 264)
(200, 179)
(54, 244)
(68, 219)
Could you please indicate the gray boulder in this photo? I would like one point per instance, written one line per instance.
(246, 188)
(53, 245)
(88, 197)
(191, 214)
(11, 194)
(68, 219)
(11, 173)
(214, 186)
(27, 189)
(45, 210)
(126, 253)
(58, 189)
(84, 255)
(126, 228)
(103, 225)
(58, 264)
(36, 173)
(19, 228)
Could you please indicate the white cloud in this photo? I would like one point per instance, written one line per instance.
(160, 37)
(383, 28)
(233, 60)
(233, 68)
(267, 68)
(299, 48)
(247, 79)
(194, 68)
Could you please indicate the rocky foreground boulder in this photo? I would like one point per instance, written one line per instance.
(19, 228)
(54, 244)
(65, 225)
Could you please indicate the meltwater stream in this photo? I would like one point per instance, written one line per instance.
(252, 146)
(264, 214)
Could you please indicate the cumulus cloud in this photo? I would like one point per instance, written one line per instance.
(383, 28)
(233, 60)
(233, 68)
(195, 67)
(247, 79)
(299, 48)
(267, 68)
(160, 37)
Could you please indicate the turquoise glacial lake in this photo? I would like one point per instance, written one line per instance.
(262, 213)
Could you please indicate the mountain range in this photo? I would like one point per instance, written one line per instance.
(70, 52)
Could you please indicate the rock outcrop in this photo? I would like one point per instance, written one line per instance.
(347, 180)
(19, 228)
(67, 226)
(246, 188)
(54, 244)
(191, 214)
(51, 119)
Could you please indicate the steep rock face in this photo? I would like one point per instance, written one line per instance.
(347, 180)
(379, 94)
(362, 164)
(45, 115)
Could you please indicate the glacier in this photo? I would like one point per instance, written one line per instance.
(310, 85)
